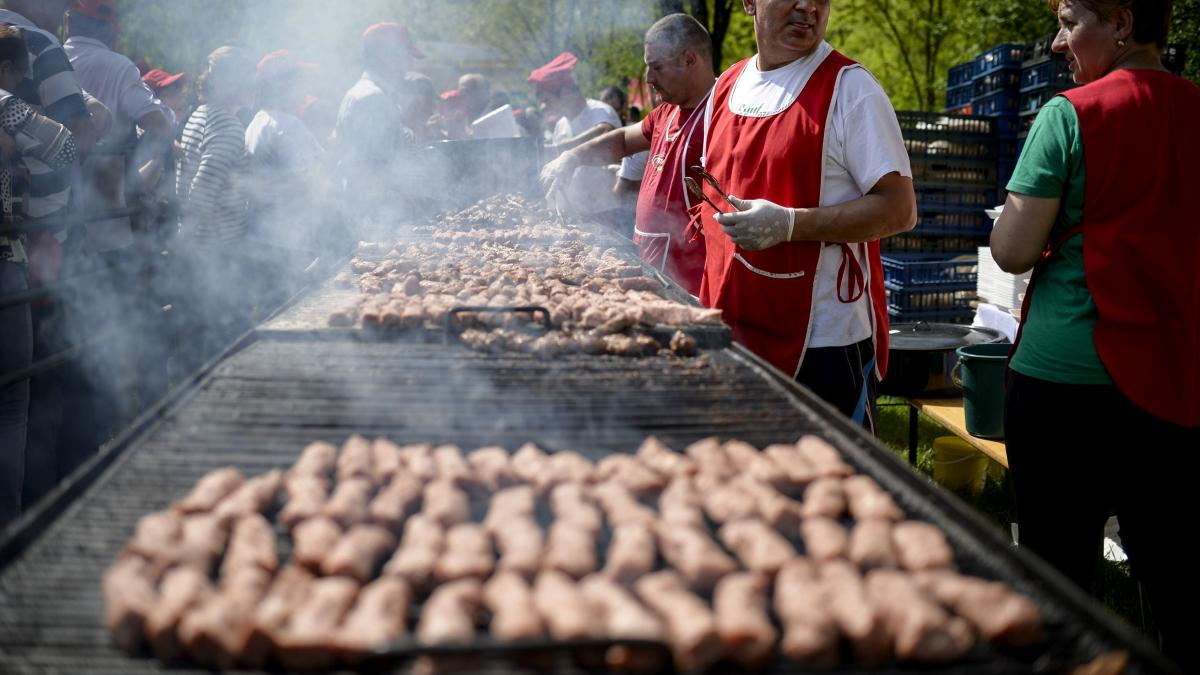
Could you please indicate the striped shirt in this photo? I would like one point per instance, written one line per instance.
(55, 92)
(43, 146)
(209, 179)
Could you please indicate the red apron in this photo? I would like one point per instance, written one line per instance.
(767, 296)
(661, 228)
(1141, 246)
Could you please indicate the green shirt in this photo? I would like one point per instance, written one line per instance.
(1056, 339)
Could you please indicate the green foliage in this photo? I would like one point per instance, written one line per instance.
(908, 44)
(1185, 30)
(606, 35)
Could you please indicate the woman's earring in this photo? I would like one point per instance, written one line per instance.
(1121, 44)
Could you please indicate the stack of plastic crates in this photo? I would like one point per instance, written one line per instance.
(929, 287)
(1043, 76)
(953, 161)
(997, 94)
(1175, 58)
(960, 88)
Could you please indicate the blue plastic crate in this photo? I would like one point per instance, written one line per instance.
(1009, 126)
(960, 74)
(917, 242)
(1033, 99)
(1174, 58)
(1009, 148)
(1001, 79)
(1040, 48)
(956, 314)
(914, 124)
(931, 146)
(1004, 102)
(1053, 72)
(933, 196)
(1004, 171)
(1000, 56)
(941, 302)
(929, 270)
(953, 220)
(954, 170)
(958, 96)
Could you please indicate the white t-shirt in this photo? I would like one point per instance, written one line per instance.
(593, 113)
(633, 167)
(279, 141)
(862, 145)
(591, 188)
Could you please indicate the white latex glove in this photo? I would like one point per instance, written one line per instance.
(558, 171)
(758, 223)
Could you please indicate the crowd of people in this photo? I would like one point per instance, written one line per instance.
(763, 190)
(164, 213)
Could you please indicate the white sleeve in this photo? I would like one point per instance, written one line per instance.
(603, 113)
(633, 167)
(873, 146)
(299, 148)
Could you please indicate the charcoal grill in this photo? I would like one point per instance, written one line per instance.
(258, 406)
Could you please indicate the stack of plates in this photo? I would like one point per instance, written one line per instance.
(996, 286)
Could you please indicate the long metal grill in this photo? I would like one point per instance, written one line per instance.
(256, 410)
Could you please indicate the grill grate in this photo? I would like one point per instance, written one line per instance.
(257, 408)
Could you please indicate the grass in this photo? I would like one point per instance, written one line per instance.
(1116, 588)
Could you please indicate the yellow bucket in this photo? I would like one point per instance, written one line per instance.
(957, 464)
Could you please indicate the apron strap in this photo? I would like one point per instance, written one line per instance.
(856, 284)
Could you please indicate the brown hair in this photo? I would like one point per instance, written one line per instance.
(12, 47)
(1151, 18)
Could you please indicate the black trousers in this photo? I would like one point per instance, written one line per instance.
(845, 378)
(1078, 454)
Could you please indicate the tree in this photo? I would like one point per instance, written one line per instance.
(1185, 31)
(714, 15)
(909, 45)
(606, 35)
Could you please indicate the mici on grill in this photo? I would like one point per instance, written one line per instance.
(547, 546)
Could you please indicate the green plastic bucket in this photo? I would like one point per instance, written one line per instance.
(980, 372)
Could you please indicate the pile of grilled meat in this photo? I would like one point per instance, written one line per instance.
(722, 552)
(597, 299)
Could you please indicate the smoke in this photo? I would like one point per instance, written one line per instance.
(161, 315)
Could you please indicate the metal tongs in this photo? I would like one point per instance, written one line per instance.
(698, 192)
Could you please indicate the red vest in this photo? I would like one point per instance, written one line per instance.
(662, 229)
(767, 296)
(1141, 243)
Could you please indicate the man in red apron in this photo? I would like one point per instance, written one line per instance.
(679, 68)
(810, 143)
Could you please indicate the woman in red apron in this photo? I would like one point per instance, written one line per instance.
(764, 255)
(1103, 402)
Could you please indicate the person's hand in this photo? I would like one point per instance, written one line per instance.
(558, 171)
(757, 223)
(8, 147)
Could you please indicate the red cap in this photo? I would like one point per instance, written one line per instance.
(556, 74)
(389, 36)
(158, 79)
(280, 64)
(104, 10)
